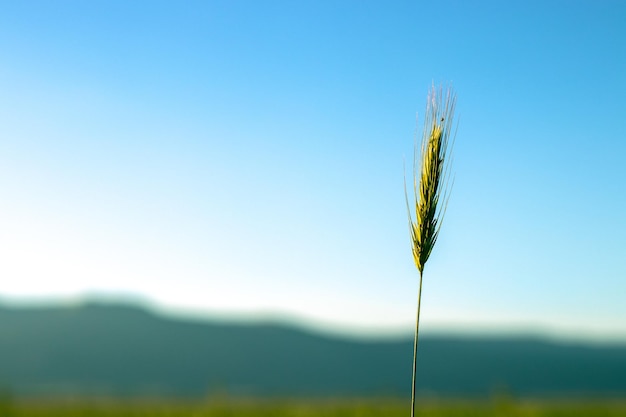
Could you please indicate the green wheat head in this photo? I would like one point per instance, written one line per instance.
(430, 175)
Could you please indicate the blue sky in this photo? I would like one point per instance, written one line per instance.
(246, 159)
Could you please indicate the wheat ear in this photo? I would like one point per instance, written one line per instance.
(430, 189)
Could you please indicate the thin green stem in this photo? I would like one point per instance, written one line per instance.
(417, 327)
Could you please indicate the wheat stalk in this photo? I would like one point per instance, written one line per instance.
(432, 192)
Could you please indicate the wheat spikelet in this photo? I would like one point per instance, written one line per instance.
(431, 191)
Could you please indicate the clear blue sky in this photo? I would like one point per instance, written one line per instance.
(243, 157)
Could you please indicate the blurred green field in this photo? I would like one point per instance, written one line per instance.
(292, 408)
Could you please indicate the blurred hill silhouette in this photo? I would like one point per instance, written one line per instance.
(100, 349)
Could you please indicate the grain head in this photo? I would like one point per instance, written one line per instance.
(431, 169)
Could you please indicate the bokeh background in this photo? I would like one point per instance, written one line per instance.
(245, 160)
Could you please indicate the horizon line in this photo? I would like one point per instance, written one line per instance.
(312, 325)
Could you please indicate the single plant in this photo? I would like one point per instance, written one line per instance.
(430, 189)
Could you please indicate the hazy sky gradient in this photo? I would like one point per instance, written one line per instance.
(247, 157)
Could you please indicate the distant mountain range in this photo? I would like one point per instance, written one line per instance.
(121, 350)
